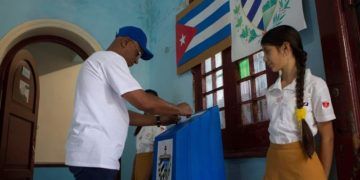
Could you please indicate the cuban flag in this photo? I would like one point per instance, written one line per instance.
(205, 25)
(164, 169)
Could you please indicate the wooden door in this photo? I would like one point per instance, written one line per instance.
(339, 31)
(19, 108)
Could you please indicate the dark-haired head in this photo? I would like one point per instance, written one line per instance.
(286, 34)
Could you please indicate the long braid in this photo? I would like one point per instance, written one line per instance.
(308, 143)
(300, 78)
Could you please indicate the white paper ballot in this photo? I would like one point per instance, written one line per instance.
(184, 118)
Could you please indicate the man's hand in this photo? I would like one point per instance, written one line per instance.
(168, 120)
(185, 109)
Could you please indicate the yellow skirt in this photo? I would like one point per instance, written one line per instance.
(288, 162)
(142, 169)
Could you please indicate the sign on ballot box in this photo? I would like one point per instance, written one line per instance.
(191, 150)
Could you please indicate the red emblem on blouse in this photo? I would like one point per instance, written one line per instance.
(326, 104)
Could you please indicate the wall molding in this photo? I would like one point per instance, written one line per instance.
(54, 27)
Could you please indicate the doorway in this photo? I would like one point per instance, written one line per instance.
(56, 57)
(57, 67)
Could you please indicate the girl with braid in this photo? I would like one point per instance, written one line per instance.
(299, 107)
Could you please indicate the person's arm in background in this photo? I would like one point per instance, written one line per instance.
(155, 105)
(137, 119)
(326, 145)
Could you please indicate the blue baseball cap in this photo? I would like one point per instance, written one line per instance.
(137, 35)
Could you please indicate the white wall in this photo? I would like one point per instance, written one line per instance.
(57, 92)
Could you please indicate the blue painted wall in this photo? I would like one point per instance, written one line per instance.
(101, 19)
(54, 173)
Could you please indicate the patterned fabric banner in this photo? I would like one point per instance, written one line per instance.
(250, 19)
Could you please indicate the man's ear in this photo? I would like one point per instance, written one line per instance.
(124, 42)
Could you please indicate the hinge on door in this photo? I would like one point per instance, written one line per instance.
(356, 146)
(356, 167)
(354, 131)
(1, 91)
(0, 96)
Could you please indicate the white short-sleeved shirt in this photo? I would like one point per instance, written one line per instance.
(101, 120)
(145, 138)
(281, 103)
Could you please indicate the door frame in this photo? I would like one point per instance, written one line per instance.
(339, 33)
(36, 39)
(25, 114)
(46, 30)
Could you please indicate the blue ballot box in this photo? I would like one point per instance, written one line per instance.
(191, 150)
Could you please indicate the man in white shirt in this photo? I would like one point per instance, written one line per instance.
(100, 122)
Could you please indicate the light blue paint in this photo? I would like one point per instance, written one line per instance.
(127, 158)
(311, 39)
(99, 19)
(102, 19)
(246, 169)
(54, 173)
